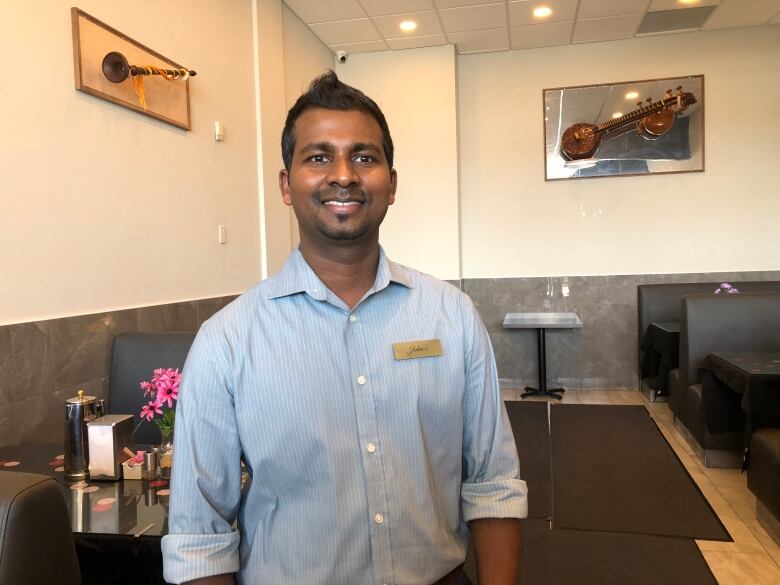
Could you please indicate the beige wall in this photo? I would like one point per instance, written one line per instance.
(725, 219)
(416, 90)
(104, 208)
(269, 84)
(305, 57)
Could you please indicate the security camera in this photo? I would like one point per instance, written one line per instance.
(341, 56)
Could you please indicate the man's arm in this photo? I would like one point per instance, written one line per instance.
(497, 549)
(206, 475)
(214, 580)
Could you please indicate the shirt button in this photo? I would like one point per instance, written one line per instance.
(379, 518)
(370, 447)
(352, 318)
(361, 380)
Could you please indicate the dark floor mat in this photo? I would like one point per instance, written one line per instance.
(531, 430)
(575, 557)
(613, 471)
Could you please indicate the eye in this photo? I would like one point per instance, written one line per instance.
(319, 159)
(364, 159)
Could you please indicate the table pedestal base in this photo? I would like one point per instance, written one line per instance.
(551, 392)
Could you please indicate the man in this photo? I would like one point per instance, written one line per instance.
(361, 395)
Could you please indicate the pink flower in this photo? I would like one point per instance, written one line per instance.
(150, 410)
(147, 388)
(162, 391)
(167, 395)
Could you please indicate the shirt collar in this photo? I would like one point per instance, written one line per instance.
(296, 276)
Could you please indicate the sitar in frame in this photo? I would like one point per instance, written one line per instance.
(652, 121)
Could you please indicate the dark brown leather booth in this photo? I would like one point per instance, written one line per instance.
(719, 323)
(36, 542)
(657, 303)
(763, 477)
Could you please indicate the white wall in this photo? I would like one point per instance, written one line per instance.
(725, 219)
(416, 90)
(103, 208)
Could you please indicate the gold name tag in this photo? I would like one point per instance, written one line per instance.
(406, 350)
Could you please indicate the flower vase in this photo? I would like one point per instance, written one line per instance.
(165, 453)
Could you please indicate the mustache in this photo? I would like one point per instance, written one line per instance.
(329, 194)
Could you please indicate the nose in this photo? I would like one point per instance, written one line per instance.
(342, 172)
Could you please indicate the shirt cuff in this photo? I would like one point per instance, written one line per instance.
(193, 556)
(494, 499)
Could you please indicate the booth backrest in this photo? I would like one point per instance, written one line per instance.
(136, 356)
(658, 303)
(721, 323)
(36, 541)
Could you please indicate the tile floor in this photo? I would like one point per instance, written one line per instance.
(753, 558)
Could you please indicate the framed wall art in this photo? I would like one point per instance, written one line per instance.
(628, 128)
(112, 66)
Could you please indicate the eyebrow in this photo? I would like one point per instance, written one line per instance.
(329, 147)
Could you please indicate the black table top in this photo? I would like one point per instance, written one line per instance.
(123, 507)
(749, 363)
(754, 377)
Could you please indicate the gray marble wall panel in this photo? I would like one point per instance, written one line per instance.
(603, 354)
(44, 363)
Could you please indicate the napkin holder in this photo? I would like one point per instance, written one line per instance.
(108, 436)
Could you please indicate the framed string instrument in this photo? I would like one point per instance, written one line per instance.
(652, 121)
(608, 129)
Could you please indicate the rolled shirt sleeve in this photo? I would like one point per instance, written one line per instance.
(491, 486)
(206, 476)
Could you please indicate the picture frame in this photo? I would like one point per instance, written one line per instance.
(628, 128)
(93, 40)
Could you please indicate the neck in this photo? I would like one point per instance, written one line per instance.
(349, 271)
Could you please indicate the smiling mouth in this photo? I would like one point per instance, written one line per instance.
(343, 208)
(342, 203)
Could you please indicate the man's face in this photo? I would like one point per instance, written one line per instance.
(339, 184)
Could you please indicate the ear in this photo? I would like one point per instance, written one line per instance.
(393, 186)
(284, 186)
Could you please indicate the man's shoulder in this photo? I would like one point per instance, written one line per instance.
(240, 310)
(430, 286)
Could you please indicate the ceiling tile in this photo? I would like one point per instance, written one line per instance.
(346, 31)
(734, 13)
(456, 3)
(310, 11)
(417, 42)
(383, 7)
(427, 24)
(657, 5)
(474, 17)
(547, 34)
(354, 48)
(606, 29)
(478, 41)
(521, 11)
(599, 8)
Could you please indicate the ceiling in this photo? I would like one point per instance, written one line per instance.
(480, 26)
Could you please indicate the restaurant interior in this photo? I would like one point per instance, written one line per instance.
(134, 210)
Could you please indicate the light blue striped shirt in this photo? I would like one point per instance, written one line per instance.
(365, 469)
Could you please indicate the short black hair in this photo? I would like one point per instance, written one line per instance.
(329, 93)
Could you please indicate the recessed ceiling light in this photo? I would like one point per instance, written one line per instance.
(408, 25)
(632, 95)
(617, 114)
(688, 1)
(542, 11)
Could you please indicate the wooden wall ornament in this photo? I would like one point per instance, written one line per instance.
(112, 66)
